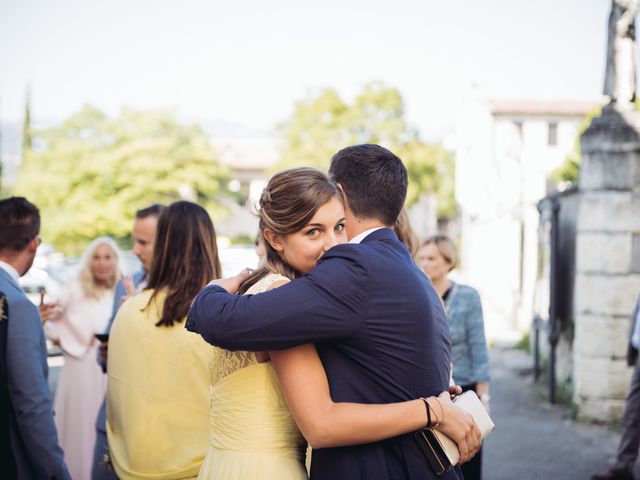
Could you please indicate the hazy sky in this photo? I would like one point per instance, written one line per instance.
(246, 62)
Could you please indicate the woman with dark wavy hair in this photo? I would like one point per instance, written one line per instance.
(158, 392)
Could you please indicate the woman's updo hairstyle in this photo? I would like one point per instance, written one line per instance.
(288, 203)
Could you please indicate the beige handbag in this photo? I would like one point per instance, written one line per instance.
(442, 452)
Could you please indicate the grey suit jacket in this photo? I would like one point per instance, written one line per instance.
(120, 292)
(34, 439)
(632, 352)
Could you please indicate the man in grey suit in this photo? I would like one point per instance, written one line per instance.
(144, 235)
(630, 442)
(35, 451)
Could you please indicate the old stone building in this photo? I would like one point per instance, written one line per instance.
(504, 155)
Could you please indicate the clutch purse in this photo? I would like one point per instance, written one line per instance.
(442, 452)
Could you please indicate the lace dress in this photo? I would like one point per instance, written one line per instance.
(253, 433)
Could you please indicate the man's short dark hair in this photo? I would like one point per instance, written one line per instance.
(374, 180)
(151, 211)
(19, 223)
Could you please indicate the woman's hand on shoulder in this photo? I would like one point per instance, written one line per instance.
(232, 284)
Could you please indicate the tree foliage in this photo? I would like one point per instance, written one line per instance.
(322, 124)
(90, 174)
(569, 171)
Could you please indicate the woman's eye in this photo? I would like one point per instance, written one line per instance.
(339, 227)
(313, 232)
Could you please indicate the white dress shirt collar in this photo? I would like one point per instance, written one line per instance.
(360, 237)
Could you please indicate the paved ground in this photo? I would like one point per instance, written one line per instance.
(534, 440)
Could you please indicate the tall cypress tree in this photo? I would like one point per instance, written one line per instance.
(26, 127)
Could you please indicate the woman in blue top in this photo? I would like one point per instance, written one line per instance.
(437, 257)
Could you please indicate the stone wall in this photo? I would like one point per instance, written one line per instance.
(607, 263)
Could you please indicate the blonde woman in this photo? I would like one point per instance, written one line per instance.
(469, 354)
(84, 310)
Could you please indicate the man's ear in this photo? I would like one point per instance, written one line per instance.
(343, 195)
(274, 239)
(33, 245)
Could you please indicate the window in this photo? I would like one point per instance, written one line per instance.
(552, 139)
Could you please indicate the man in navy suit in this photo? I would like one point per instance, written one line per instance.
(33, 439)
(378, 324)
(144, 236)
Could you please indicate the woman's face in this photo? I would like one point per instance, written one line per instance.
(261, 251)
(302, 249)
(103, 263)
(432, 262)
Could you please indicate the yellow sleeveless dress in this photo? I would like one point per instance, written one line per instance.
(253, 433)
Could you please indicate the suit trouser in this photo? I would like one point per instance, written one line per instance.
(630, 441)
(472, 470)
(99, 470)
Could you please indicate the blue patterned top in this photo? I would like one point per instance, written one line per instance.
(469, 353)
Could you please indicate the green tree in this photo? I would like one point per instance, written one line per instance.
(569, 171)
(322, 124)
(91, 173)
(27, 141)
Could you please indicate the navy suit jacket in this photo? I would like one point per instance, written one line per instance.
(380, 331)
(6, 453)
(33, 435)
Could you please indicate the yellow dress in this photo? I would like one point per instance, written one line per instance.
(157, 394)
(253, 433)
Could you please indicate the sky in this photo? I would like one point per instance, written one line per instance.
(244, 63)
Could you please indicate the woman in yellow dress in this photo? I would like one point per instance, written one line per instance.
(257, 398)
(158, 387)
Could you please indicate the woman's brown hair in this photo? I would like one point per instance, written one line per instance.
(405, 233)
(185, 258)
(288, 203)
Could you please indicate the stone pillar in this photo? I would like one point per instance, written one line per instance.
(607, 262)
